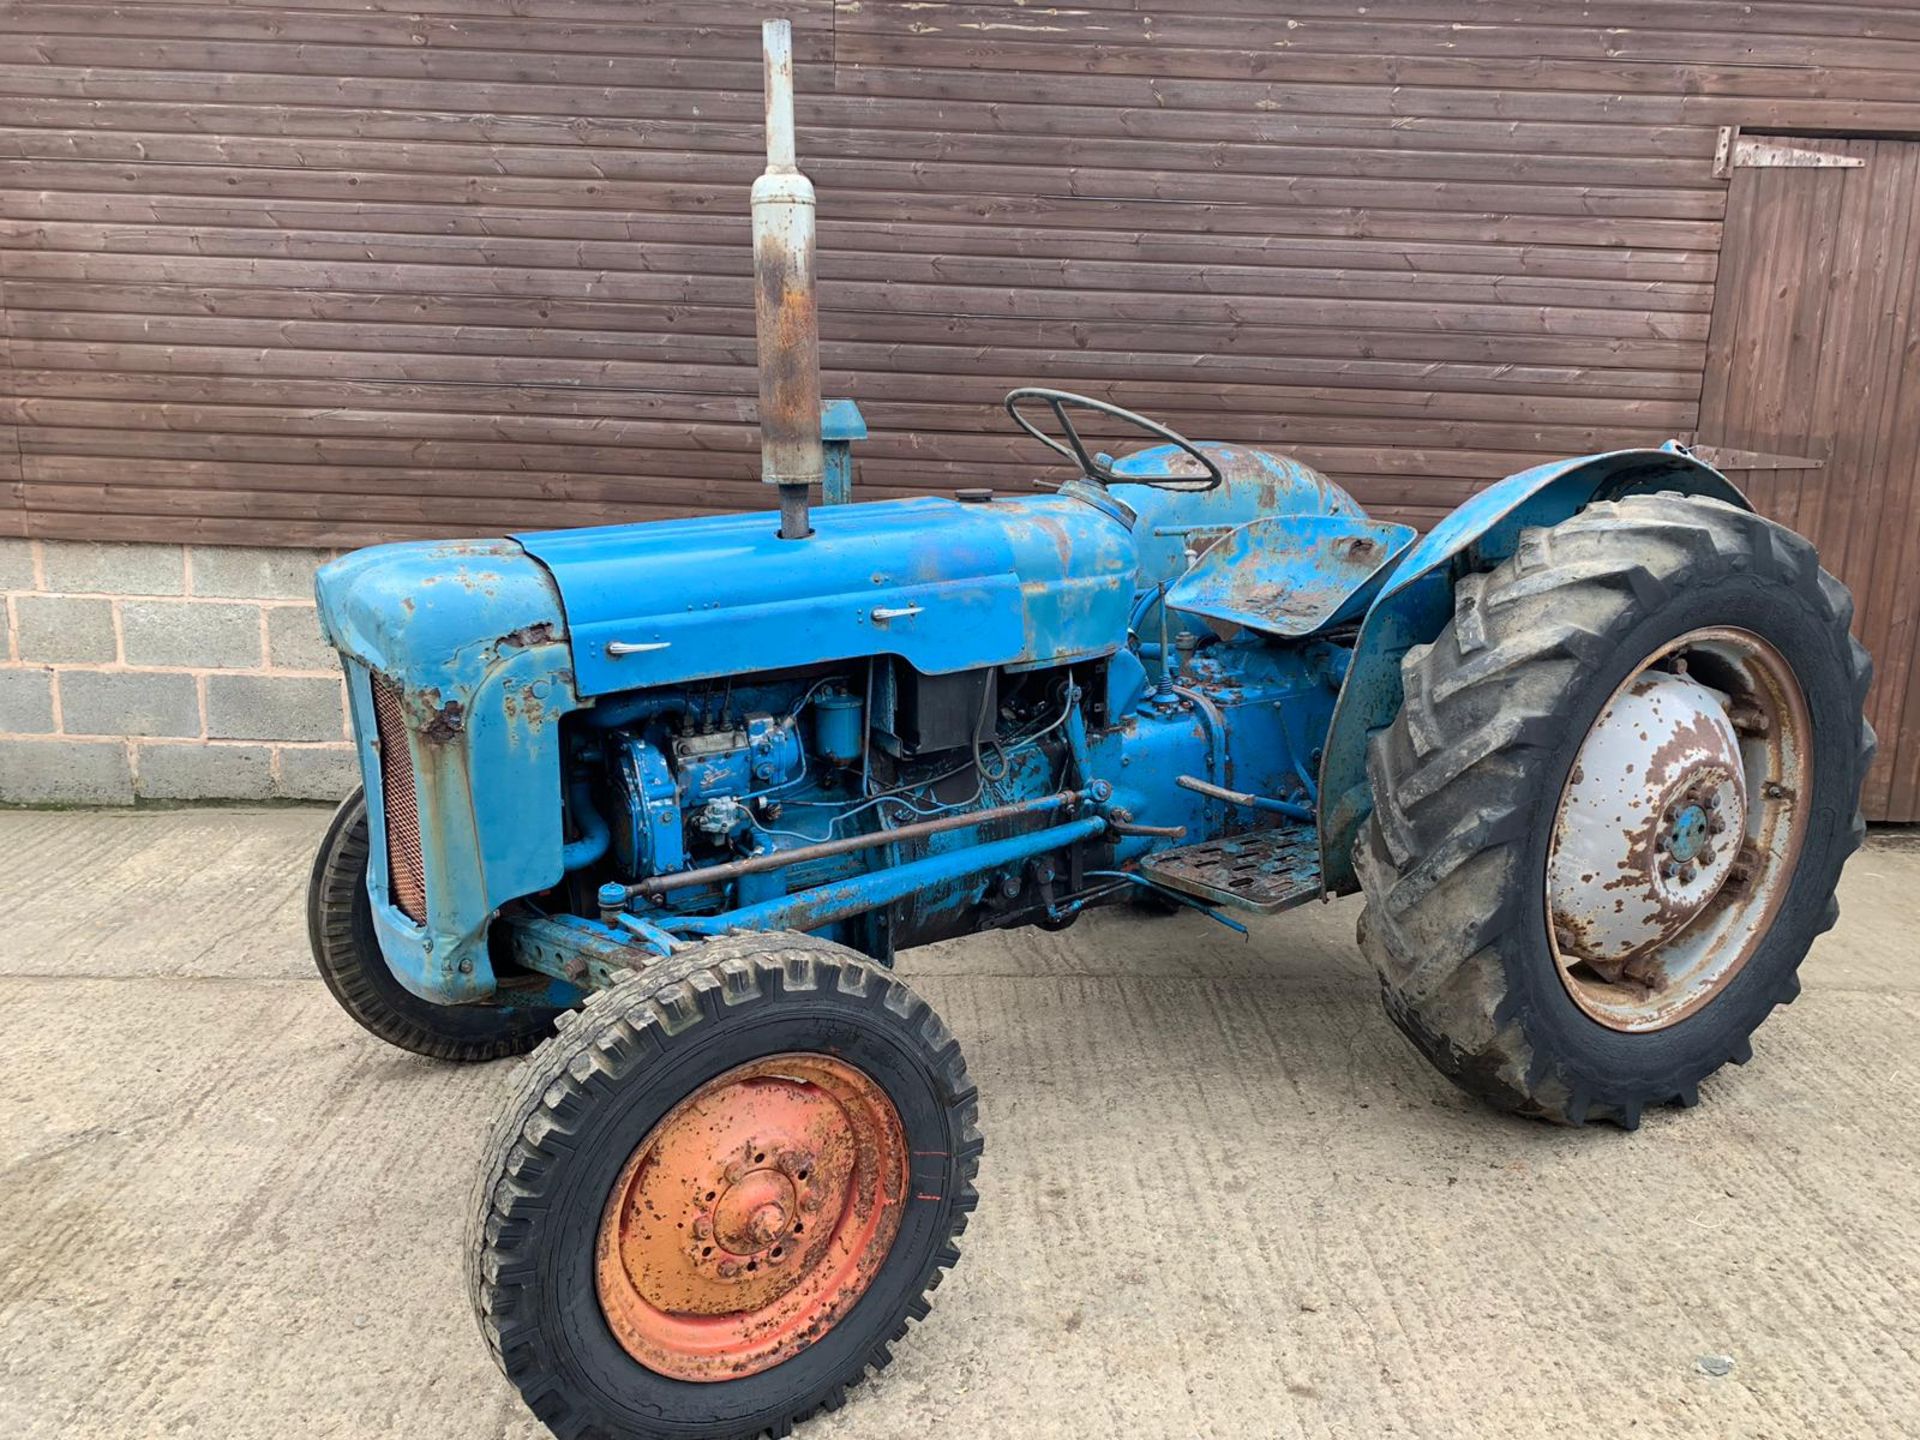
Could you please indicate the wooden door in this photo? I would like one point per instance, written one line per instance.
(1814, 366)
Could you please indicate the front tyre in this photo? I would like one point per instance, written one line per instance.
(718, 1195)
(346, 951)
(1610, 816)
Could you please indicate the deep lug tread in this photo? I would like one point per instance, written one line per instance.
(1439, 857)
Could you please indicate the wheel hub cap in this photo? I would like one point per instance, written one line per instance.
(751, 1218)
(1634, 858)
(1687, 833)
(752, 1214)
(1677, 828)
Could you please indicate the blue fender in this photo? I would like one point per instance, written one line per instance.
(1416, 603)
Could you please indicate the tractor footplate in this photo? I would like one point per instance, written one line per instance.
(1263, 871)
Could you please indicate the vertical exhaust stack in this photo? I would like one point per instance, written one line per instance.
(785, 320)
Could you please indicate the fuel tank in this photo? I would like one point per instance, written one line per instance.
(946, 585)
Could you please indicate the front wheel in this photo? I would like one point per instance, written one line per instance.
(346, 951)
(1610, 816)
(720, 1192)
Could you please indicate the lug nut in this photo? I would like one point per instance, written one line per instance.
(702, 1228)
(1688, 871)
(1670, 869)
(729, 1269)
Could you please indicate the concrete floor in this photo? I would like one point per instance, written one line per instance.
(1222, 1197)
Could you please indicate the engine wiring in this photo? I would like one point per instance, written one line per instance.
(902, 794)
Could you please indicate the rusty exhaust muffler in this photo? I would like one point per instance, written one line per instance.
(785, 319)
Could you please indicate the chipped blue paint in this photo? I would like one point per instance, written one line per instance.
(1414, 606)
(1257, 483)
(1290, 576)
(471, 635)
(1038, 580)
(490, 646)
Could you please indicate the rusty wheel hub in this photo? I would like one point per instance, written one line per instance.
(1677, 829)
(752, 1218)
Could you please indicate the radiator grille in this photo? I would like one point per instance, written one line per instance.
(405, 874)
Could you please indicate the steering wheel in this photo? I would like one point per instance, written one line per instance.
(1075, 449)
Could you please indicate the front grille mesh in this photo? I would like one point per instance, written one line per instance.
(405, 874)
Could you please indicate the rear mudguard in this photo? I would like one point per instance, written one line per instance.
(1416, 603)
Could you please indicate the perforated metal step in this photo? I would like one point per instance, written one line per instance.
(1264, 871)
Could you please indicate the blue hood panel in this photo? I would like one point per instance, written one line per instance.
(1032, 581)
(437, 615)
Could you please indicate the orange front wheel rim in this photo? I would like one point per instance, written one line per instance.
(752, 1218)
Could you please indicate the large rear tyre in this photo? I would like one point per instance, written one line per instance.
(1610, 816)
(347, 953)
(718, 1195)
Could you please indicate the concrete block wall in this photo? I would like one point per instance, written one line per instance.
(166, 672)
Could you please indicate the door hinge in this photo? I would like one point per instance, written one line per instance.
(1722, 457)
(1739, 152)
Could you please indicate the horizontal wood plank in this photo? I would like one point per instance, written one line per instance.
(324, 272)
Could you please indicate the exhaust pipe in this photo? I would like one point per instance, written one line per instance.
(786, 323)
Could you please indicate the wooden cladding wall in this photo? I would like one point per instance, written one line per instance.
(322, 273)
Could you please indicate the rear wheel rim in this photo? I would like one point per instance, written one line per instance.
(752, 1218)
(1678, 829)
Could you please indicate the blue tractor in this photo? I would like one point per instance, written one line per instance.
(665, 800)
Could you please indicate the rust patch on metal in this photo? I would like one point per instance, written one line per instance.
(786, 324)
(529, 635)
(530, 706)
(752, 1218)
(1265, 871)
(1057, 533)
(444, 723)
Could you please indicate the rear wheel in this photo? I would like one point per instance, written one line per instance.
(1611, 814)
(347, 953)
(719, 1194)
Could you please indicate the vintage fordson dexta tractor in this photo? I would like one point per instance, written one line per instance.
(664, 800)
